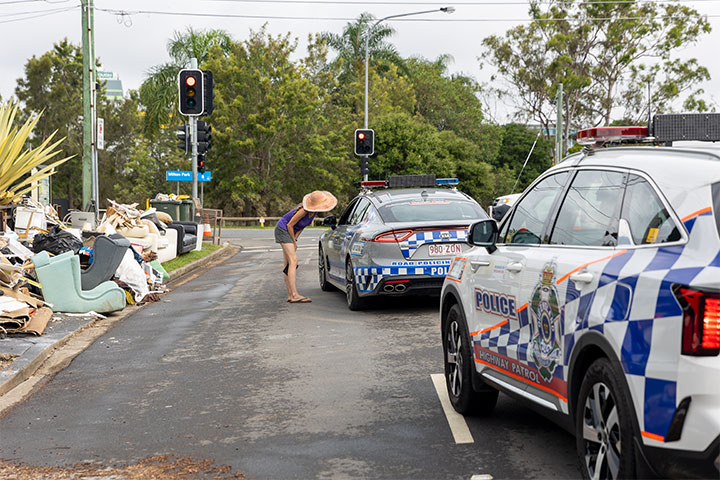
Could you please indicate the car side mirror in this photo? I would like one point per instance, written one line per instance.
(484, 234)
(330, 221)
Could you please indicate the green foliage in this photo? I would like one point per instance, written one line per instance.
(517, 141)
(271, 141)
(604, 54)
(53, 85)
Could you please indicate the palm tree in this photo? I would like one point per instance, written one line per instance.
(350, 46)
(158, 93)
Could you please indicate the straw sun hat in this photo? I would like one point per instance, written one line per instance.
(319, 201)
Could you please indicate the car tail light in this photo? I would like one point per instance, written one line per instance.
(701, 321)
(393, 236)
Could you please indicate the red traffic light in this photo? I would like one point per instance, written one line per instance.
(190, 81)
(361, 136)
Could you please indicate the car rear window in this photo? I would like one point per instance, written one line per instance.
(430, 210)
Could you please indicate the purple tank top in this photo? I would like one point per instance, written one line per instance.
(299, 226)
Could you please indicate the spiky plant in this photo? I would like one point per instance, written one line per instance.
(17, 160)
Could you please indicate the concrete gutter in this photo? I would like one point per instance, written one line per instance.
(53, 350)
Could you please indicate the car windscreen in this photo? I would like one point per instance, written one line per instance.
(430, 210)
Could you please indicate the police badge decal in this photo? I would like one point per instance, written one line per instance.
(545, 320)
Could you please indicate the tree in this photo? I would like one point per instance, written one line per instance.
(158, 93)
(271, 140)
(350, 47)
(601, 52)
(446, 102)
(517, 141)
(53, 85)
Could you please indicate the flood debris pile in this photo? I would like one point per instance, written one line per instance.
(47, 265)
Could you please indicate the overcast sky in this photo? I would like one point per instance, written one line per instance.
(131, 43)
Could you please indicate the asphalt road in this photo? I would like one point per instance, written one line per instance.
(225, 369)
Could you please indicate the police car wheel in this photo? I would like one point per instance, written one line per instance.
(459, 368)
(354, 302)
(603, 428)
(322, 272)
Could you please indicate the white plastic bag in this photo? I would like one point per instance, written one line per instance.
(133, 274)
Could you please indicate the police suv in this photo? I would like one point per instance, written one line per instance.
(597, 301)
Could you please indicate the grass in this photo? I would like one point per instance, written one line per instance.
(182, 260)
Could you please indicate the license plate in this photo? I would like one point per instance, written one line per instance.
(444, 249)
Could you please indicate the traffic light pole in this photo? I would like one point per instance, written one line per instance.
(193, 143)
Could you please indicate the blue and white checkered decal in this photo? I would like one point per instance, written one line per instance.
(418, 239)
(633, 306)
(367, 278)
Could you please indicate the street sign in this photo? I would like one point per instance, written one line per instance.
(101, 133)
(186, 176)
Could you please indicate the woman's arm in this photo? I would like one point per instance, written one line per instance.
(300, 213)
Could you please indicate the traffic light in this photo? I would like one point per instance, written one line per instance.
(364, 142)
(201, 163)
(191, 92)
(183, 136)
(204, 136)
(209, 92)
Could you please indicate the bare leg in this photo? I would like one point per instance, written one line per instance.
(292, 262)
(285, 277)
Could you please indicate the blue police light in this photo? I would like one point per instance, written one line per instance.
(447, 181)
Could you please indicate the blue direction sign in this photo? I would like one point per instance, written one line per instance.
(186, 176)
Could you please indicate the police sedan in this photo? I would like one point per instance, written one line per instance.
(597, 301)
(396, 237)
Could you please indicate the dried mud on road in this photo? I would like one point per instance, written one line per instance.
(166, 467)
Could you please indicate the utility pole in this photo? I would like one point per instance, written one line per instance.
(193, 143)
(559, 129)
(89, 169)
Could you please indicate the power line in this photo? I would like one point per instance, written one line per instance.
(35, 13)
(454, 20)
(546, 2)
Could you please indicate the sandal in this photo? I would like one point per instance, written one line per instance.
(300, 300)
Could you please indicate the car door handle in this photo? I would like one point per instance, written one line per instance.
(475, 264)
(582, 277)
(514, 267)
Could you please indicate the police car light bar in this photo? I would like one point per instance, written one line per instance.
(406, 181)
(447, 181)
(601, 135)
(373, 183)
(672, 127)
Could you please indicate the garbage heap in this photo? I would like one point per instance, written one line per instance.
(48, 266)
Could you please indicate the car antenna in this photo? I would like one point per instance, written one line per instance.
(650, 122)
(526, 161)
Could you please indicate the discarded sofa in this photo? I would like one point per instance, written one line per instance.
(62, 286)
(108, 252)
(186, 236)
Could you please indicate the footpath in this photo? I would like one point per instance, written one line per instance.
(21, 356)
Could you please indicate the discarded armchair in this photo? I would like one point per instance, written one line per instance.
(62, 287)
(186, 236)
(108, 252)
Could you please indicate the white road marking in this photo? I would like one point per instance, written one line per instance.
(307, 261)
(265, 249)
(482, 476)
(458, 426)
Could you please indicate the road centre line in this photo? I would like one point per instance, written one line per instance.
(458, 426)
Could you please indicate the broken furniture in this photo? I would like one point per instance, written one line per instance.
(108, 252)
(62, 287)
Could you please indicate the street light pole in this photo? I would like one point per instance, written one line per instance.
(367, 50)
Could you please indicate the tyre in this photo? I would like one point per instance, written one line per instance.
(354, 302)
(603, 425)
(325, 285)
(459, 368)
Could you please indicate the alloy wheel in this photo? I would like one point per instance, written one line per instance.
(349, 282)
(454, 359)
(601, 433)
